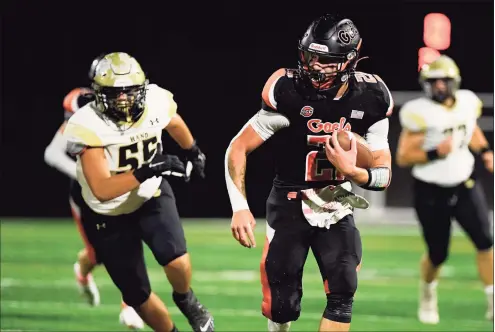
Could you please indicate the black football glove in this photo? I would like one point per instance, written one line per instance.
(161, 165)
(197, 159)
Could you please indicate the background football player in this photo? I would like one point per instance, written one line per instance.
(57, 157)
(438, 132)
(300, 108)
(117, 141)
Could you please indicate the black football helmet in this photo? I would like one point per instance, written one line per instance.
(329, 40)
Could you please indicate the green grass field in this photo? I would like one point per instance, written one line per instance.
(38, 291)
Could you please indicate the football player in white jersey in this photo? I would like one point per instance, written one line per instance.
(56, 156)
(438, 139)
(120, 167)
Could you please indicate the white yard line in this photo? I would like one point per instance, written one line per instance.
(217, 312)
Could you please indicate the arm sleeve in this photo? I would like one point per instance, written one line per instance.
(266, 123)
(55, 156)
(377, 135)
(237, 199)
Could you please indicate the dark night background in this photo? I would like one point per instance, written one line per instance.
(215, 58)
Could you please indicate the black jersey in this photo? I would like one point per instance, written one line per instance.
(298, 149)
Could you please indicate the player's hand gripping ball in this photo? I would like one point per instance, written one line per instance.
(338, 151)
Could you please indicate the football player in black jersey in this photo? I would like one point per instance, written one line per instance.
(311, 203)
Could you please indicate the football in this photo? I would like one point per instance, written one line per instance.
(364, 154)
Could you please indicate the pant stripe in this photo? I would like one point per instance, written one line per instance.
(266, 306)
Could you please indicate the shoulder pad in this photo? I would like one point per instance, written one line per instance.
(269, 94)
(162, 102)
(77, 130)
(411, 115)
(381, 92)
(470, 98)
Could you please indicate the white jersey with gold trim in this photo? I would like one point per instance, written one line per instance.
(124, 149)
(437, 122)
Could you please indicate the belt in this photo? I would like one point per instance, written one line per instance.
(294, 195)
(297, 195)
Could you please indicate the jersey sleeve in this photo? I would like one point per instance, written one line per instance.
(478, 105)
(170, 107)
(411, 117)
(377, 135)
(161, 103)
(79, 137)
(270, 91)
(266, 123)
(386, 98)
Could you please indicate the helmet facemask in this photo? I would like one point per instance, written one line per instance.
(440, 95)
(342, 65)
(442, 69)
(122, 104)
(329, 42)
(120, 88)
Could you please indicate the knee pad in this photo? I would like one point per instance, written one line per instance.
(344, 281)
(285, 313)
(135, 297)
(339, 307)
(285, 316)
(438, 257)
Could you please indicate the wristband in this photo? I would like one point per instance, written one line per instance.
(484, 149)
(378, 179)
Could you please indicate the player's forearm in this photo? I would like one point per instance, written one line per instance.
(411, 157)
(179, 131)
(235, 173)
(478, 140)
(359, 176)
(114, 186)
(56, 157)
(59, 160)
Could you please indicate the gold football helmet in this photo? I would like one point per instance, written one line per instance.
(120, 87)
(443, 68)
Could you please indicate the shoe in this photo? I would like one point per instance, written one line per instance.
(87, 286)
(428, 305)
(129, 317)
(489, 310)
(198, 316)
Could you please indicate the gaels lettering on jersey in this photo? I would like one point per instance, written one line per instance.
(317, 126)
